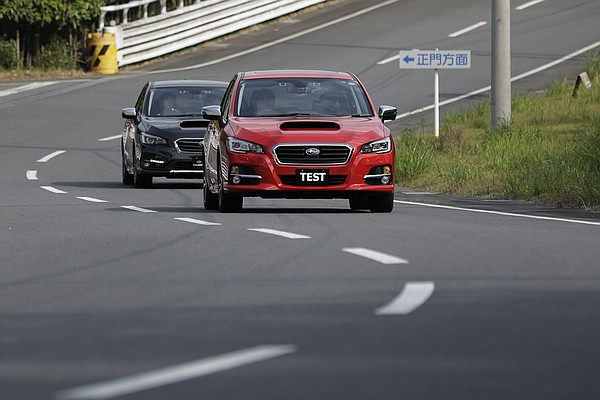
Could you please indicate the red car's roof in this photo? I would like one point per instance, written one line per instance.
(297, 74)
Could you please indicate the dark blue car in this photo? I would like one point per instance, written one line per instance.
(163, 133)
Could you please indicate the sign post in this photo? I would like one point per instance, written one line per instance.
(436, 60)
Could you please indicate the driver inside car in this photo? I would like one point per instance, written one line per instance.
(262, 100)
(168, 105)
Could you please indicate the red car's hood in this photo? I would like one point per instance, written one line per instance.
(271, 131)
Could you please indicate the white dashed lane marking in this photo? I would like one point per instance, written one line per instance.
(527, 5)
(175, 374)
(32, 175)
(53, 189)
(109, 138)
(92, 199)
(287, 235)
(138, 209)
(412, 297)
(467, 29)
(375, 255)
(198, 221)
(51, 156)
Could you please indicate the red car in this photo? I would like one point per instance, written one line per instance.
(298, 134)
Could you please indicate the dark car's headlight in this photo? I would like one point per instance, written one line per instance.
(241, 146)
(379, 146)
(153, 140)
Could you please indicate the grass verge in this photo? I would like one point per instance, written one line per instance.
(549, 154)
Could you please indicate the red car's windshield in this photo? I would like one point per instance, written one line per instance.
(301, 96)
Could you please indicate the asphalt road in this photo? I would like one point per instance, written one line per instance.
(112, 292)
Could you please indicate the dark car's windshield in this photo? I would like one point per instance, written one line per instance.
(301, 96)
(182, 101)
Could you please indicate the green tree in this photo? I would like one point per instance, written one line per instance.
(35, 23)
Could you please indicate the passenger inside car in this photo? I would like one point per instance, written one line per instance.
(331, 104)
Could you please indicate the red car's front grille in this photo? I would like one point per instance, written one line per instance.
(297, 154)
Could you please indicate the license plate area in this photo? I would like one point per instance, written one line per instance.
(312, 177)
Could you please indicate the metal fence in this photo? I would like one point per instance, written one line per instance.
(158, 31)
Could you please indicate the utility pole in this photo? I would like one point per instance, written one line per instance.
(501, 73)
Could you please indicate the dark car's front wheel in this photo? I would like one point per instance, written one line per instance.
(125, 175)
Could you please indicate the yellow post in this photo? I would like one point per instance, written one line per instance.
(103, 51)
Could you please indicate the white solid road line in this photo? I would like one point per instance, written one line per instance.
(287, 235)
(53, 189)
(468, 29)
(175, 374)
(51, 156)
(92, 199)
(139, 209)
(198, 221)
(475, 210)
(527, 5)
(31, 175)
(412, 297)
(375, 255)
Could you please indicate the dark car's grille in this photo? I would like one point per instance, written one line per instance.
(297, 154)
(194, 146)
(333, 180)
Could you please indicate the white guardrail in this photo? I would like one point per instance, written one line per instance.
(166, 32)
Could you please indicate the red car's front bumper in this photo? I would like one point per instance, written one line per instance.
(259, 175)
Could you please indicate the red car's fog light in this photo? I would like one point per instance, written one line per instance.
(381, 175)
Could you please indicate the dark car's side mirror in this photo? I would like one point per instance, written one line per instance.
(387, 113)
(211, 112)
(128, 113)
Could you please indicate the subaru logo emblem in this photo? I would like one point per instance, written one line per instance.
(312, 152)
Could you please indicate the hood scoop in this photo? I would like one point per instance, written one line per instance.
(194, 124)
(309, 125)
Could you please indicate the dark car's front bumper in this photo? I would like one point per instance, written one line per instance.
(185, 160)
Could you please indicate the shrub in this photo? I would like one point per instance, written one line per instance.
(414, 154)
(8, 54)
(57, 55)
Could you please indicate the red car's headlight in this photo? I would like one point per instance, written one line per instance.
(379, 146)
(241, 146)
